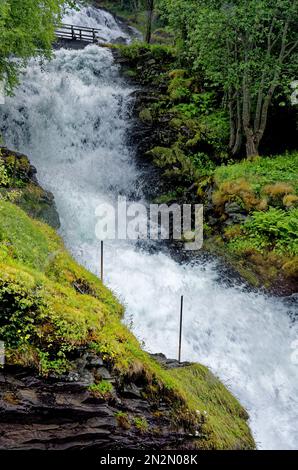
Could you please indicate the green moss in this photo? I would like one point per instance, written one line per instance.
(102, 389)
(224, 420)
(145, 115)
(175, 163)
(141, 424)
(51, 308)
(179, 88)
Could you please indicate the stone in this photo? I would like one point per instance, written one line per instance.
(233, 208)
(60, 415)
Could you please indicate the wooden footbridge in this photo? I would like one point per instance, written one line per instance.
(78, 33)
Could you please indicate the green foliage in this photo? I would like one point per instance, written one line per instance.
(142, 50)
(203, 163)
(26, 30)
(189, 110)
(4, 178)
(101, 389)
(216, 126)
(141, 423)
(33, 248)
(248, 49)
(275, 229)
(123, 419)
(262, 171)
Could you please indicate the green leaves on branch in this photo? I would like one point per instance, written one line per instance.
(26, 30)
(248, 49)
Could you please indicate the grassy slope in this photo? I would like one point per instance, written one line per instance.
(44, 319)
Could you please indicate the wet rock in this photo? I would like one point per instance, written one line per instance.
(169, 363)
(104, 373)
(131, 391)
(93, 361)
(233, 208)
(57, 414)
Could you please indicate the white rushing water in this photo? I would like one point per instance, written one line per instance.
(71, 119)
(109, 30)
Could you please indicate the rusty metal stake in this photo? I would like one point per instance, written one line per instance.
(101, 262)
(180, 329)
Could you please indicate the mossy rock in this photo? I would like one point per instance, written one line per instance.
(146, 115)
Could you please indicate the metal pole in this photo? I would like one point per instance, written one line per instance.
(180, 329)
(101, 262)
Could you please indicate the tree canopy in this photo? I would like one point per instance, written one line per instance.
(26, 30)
(247, 48)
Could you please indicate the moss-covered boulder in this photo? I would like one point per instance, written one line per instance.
(19, 184)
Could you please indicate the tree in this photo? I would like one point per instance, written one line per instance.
(27, 29)
(249, 48)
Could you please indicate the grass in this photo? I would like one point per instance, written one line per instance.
(101, 389)
(262, 171)
(222, 416)
(264, 247)
(45, 320)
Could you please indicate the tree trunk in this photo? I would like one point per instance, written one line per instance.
(252, 147)
(238, 139)
(150, 9)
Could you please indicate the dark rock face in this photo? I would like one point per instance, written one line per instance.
(34, 200)
(62, 414)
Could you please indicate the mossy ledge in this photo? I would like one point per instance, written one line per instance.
(76, 377)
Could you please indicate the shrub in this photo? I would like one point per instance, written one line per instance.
(274, 230)
(278, 189)
(4, 178)
(179, 88)
(290, 200)
(239, 191)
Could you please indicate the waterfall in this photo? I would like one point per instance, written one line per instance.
(71, 117)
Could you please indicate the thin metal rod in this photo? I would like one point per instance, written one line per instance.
(101, 261)
(180, 329)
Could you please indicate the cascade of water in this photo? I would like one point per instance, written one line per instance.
(71, 119)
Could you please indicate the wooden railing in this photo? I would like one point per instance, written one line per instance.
(78, 33)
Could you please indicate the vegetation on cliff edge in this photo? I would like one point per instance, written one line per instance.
(52, 309)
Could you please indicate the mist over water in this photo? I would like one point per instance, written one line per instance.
(72, 118)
